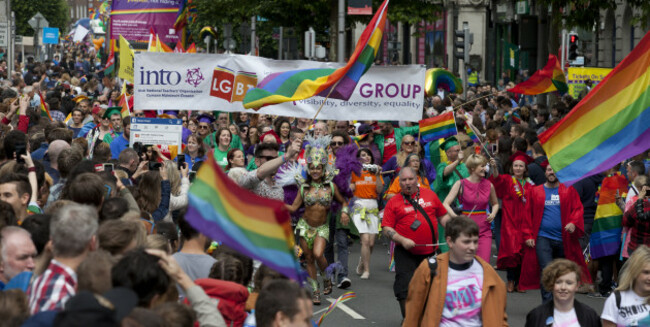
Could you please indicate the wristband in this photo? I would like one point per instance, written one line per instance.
(31, 169)
(345, 210)
(284, 158)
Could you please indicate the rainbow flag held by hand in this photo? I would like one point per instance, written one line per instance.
(606, 232)
(441, 126)
(44, 111)
(339, 83)
(255, 226)
(608, 126)
(548, 79)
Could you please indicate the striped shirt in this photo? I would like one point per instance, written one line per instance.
(52, 289)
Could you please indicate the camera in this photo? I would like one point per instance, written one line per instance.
(371, 168)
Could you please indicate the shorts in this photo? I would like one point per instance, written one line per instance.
(365, 216)
(309, 233)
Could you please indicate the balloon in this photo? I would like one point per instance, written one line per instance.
(98, 43)
(441, 78)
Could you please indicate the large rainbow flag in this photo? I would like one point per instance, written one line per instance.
(301, 84)
(608, 126)
(606, 232)
(255, 226)
(548, 79)
(438, 127)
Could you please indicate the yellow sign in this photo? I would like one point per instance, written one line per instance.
(576, 78)
(126, 60)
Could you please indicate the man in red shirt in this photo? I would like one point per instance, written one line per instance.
(415, 235)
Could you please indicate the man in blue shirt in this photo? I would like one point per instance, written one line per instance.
(121, 142)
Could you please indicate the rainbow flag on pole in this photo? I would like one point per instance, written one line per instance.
(255, 226)
(44, 111)
(438, 127)
(470, 132)
(608, 126)
(548, 79)
(606, 232)
(301, 84)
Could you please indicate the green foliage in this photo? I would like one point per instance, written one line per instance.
(299, 14)
(55, 11)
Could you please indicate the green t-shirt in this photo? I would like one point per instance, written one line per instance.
(221, 157)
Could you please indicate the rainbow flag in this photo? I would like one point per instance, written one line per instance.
(548, 79)
(606, 231)
(470, 132)
(255, 226)
(608, 126)
(44, 111)
(441, 78)
(337, 84)
(438, 127)
(514, 116)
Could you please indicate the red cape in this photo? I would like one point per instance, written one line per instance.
(572, 212)
(513, 216)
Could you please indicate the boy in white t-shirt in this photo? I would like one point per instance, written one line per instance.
(471, 291)
(629, 306)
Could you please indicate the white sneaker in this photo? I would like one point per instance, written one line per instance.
(345, 283)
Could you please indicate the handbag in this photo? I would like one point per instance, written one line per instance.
(456, 206)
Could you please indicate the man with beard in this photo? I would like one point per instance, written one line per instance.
(552, 230)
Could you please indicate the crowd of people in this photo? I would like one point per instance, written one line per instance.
(93, 228)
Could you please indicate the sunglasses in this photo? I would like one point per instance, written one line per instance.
(409, 143)
(203, 127)
(267, 158)
(336, 143)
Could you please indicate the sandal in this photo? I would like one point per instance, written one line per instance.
(315, 298)
(327, 286)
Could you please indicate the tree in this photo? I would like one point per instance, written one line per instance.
(321, 15)
(55, 11)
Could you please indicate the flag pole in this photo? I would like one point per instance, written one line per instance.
(327, 97)
(474, 100)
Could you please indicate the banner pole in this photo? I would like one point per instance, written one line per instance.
(322, 104)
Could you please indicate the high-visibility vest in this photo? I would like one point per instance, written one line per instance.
(472, 79)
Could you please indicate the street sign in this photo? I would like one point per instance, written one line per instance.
(229, 44)
(19, 39)
(4, 34)
(50, 35)
(38, 21)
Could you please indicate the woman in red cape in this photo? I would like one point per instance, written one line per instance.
(571, 212)
(512, 190)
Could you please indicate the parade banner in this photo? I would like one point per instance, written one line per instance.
(576, 78)
(134, 19)
(175, 81)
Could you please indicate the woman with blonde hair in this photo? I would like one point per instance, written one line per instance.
(474, 194)
(628, 304)
(180, 185)
(408, 146)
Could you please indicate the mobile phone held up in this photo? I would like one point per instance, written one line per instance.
(21, 150)
(181, 161)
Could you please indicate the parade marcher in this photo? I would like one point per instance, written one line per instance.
(194, 151)
(366, 139)
(456, 288)
(121, 142)
(409, 146)
(411, 221)
(103, 131)
(634, 168)
(562, 277)
(262, 180)
(475, 194)
(389, 140)
(365, 210)
(412, 160)
(637, 219)
(628, 304)
(235, 159)
(513, 190)
(223, 146)
(317, 192)
(552, 231)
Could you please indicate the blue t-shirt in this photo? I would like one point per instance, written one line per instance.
(551, 226)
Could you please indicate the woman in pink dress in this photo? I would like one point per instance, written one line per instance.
(474, 194)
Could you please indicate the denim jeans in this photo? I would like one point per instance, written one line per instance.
(341, 241)
(547, 250)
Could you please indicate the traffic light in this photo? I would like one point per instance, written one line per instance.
(573, 46)
(461, 44)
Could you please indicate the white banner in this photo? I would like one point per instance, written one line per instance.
(175, 81)
(79, 33)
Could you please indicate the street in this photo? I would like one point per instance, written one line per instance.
(375, 304)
